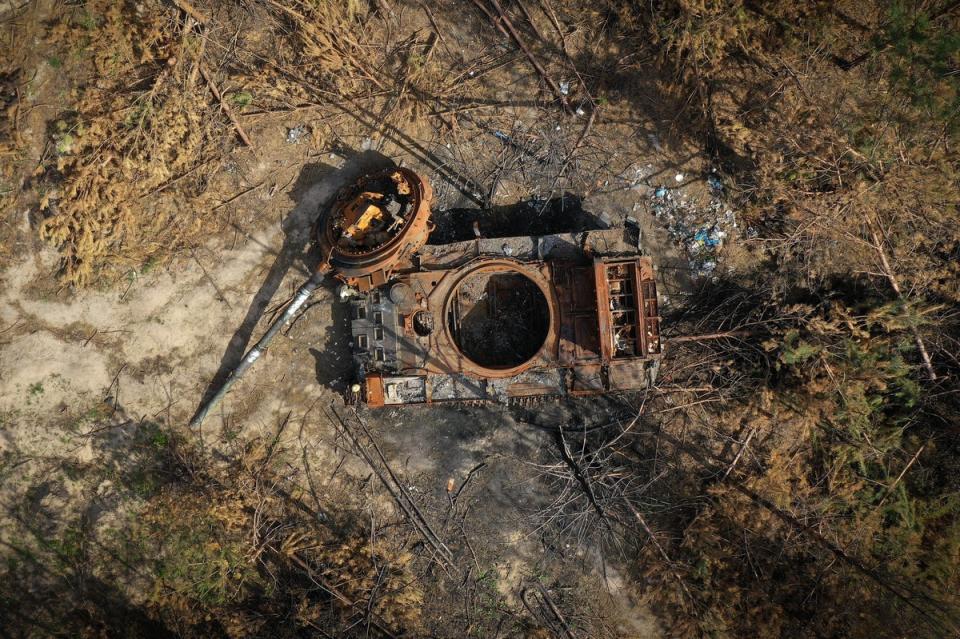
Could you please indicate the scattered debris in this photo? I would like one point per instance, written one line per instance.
(709, 237)
(701, 230)
(715, 183)
(297, 133)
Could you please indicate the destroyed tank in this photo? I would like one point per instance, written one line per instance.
(488, 319)
(494, 319)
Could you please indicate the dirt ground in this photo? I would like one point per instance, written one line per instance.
(85, 372)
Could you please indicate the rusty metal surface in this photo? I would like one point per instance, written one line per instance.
(416, 346)
(374, 390)
(489, 319)
(447, 355)
(628, 320)
(375, 226)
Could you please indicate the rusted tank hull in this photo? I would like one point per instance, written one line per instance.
(490, 319)
(552, 319)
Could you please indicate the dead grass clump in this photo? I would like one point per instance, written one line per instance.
(326, 41)
(346, 50)
(234, 551)
(9, 148)
(142, 125)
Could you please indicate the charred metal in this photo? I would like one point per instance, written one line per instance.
(499, 319)
(376, 225)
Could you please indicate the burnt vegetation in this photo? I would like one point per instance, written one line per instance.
(795, 471)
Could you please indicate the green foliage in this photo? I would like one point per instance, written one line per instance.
(241, 98)
(152, 262)
(853, 453)
(96, 413)
(923, 55)
(87, 20)
(795, 350)
(199, 560)
(69, 546)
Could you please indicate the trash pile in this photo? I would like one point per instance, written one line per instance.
(701, 230)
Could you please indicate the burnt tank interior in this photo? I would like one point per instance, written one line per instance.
(498, 320)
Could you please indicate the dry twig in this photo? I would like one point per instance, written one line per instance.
(191, 11)
(505, 26)
(224, 106)
(397, 491)
(895, 285)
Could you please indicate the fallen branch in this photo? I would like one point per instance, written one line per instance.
(433, 22)
(556, 612)
(396, 490)
(552, 16)
(583, 136)
(467, 480)
(505, 26)
(581, 477)
(900, 476)
(895, 285)
(223, 298)
(663, 553)
(538, 609)
(569, 158)
(530, 21)
(191, 11)
(375, 620)
(743, 448)
(224, 106)
(708, 336)
(413, 505)
(237, 196)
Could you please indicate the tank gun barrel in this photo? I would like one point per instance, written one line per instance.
(303, 294)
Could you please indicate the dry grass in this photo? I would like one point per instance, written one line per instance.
(143, 124)
(135, 150)
(193, 547)
(237, 548)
